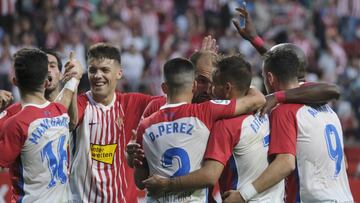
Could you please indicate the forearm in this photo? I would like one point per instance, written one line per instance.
(65, 96)
(72, 111)
(280, 168)
(250, 102)
(259, 45)
(198, 179)
(317, 93)
(141, 174)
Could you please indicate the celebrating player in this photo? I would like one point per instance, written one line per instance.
(33, 142)
(306, 142)
(99, 172)
(180, 130)
(237, 148)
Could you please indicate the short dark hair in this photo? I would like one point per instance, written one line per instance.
(56, 55)
(283, 63)
(31, 68)
(179, 73)
(302, 58)
(236, 70)
(104, 51)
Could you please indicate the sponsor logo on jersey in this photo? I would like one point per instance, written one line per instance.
(103, 153)
(3, 114)
(221, 102)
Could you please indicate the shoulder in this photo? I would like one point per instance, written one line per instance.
(286, 108)
(231, 124)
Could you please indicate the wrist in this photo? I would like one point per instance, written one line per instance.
(72, 84)
(280, 96)
(247, 191)
(257, 42)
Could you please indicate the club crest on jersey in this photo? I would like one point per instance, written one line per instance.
(103, 153)
(3, 114)
(221, 102)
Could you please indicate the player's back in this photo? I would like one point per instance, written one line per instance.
(174, 141)
(39, 173)
(249, 135)
(320, 157)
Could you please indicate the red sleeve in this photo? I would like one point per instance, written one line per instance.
(139, 134)
(12, 140)
(81, 105)
(9, 112)
(221, 142)
(283, 129)
(218, 109)
(153, 106)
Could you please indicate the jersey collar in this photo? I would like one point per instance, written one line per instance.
(172, 105)
(40, 106)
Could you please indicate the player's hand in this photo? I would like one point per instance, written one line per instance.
(249, 31)
(209, 44)
(271, 102)
(5, 99)
(73, 68)
(156, 185)
(134, 154)
(232, 196)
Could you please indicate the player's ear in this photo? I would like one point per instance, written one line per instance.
(228, 89)
(119, 73)
(194, 87)
(270, 77)
(164, 87)
(14, 81)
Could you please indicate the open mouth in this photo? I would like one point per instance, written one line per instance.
(99, 84)
(49, 78)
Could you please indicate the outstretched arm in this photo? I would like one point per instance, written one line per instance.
(311, 93)
(248, 32)
(204, 177)
(252, 101)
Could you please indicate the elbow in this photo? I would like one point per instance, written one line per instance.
(335, 91)
(260, 101)
(210, 179)
(287, 162)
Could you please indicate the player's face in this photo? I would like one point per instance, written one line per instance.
(203, 90)
(103, 77)
(54, 74)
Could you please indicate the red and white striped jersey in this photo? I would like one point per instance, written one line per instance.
(314, 136)
(99, 172)
(33, 145)
(174, 141)
(241, 144)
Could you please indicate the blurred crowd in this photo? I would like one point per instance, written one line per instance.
(151, 31)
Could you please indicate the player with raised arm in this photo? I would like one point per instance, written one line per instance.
(306, 142)
(237, 148)
(53, 89)
(180, 130)
(33, 142)
(99, 172)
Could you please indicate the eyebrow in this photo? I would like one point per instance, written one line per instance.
(53, 62)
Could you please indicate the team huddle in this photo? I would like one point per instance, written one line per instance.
(211, 127)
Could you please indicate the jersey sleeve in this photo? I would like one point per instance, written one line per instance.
(153, 106)
(218, 109)
(9, 112)
(12, 140)
(221, 142)
(283, 130)
(81, 105)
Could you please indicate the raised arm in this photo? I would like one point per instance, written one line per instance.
(206, 176)
(312, 93)
(252, 101)
(249, 33)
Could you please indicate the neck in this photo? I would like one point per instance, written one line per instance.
(235, 94)
(104, 100)
(51, 96)
(32, 98)
(289, 85)
(173, 99)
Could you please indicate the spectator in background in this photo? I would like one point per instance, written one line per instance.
(133, 65)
